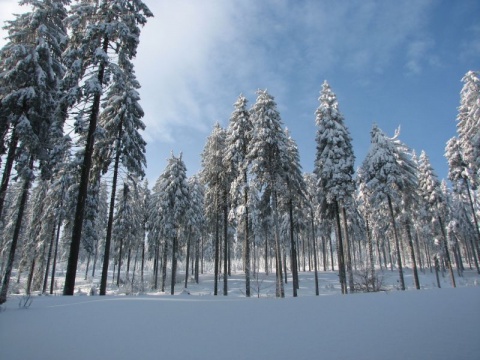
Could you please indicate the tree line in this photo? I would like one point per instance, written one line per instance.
(73, 159)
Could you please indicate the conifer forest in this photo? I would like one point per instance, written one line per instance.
(75, 203)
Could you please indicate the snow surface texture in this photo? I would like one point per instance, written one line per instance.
(426, 324)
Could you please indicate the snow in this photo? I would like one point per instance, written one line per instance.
(415, 324)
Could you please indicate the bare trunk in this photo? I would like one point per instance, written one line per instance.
(16, 235)
(397, 244)
(108, 238)
(341, 259)
(447, 252)
(314, 240)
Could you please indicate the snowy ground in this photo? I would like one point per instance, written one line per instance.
(428, 324)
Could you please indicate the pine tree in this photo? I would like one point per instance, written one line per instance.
(294, 196)
(120, 121)
(267, 155)
(429, 188)
(214, 177)
(171, 200)
(236, 146)
(468, 125)
(96, 29)
(334, 168)
(458, 173)
(387, 174)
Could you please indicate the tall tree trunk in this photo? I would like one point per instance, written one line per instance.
(225, 245)
(314, 239)
(280, 290)
(348, 250)
(293, 250)
(397, 243)
(477, 230)
(197, 260)
(246, 241)
(370, 254)
(7, 170)
(164, 266)
(30, 274)
(217, 248)
(142, 288)
(88, 265)
(54, 265)
(120, 254)
(108, 238)
(49, 258)
(174, 264)
(69, 286)
(447, 252)
(129, 259)
(16, 235)
(340, 254)
(187, 262)
(412, 254)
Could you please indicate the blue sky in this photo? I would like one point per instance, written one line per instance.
(396, 63)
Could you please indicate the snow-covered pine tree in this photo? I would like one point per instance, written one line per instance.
(311, 203)
(213, 175)
(100, 31)
(31, 67)
(468, 125)
(388, 172)
(195, 225)
(236, 146)
(458, 174)
(267, 153)
(171, 202)
(334, 169)
(120, 121)
(429, 189)
(293, 197)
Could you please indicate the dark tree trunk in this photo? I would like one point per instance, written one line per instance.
(49, 258)
(266, 254)
(293, 250)
(412, 254)
(142, 289)
(217, 248)
(174, 265)
(129, 259)
(30, 275)
(197, 260)
(120, 254)
(188, 258)
(225, 245)
(397, 244)
(247, 240)
(370, 253)
(16, 235)
(340, 254)
(280, 290)
(164, 266)
(348, 250)
(12, 147)
(477, 230)
(447, 252)
(317, 291)
(88, 265)
(69, 286)
(54, 265)
(108, 238)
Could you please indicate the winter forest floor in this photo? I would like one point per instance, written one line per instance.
(428, 324)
